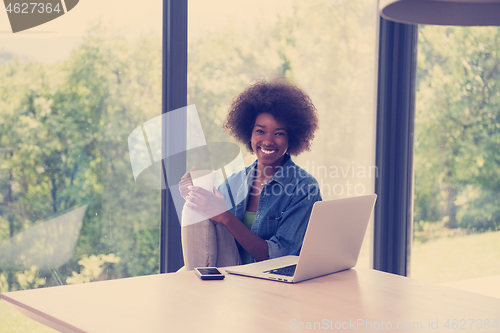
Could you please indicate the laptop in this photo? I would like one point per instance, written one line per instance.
(331, 244)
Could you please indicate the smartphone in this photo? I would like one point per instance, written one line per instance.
(209, 273)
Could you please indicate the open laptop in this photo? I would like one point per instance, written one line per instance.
(331, 244)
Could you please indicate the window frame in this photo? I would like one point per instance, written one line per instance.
(396, 89)
(393, 216)
(174, 96)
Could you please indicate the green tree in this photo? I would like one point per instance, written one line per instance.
(64, 141)
(457, 131)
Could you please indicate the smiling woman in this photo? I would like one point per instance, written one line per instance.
(286, 102)
(266, 221)
(326, 47)
(269, 142)
(272, 198)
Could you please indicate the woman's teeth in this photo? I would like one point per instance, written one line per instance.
(267, 151)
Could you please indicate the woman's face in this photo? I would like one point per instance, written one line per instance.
(269, 140)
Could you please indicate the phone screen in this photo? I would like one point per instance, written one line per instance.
(209, 271)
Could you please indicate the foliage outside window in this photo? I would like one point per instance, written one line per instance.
(63, 140)
(326, 47)
(457, 174)
(64, 126)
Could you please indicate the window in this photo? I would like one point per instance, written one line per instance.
(72, 91)
(457, 135)
(326, 47)
(76, 88)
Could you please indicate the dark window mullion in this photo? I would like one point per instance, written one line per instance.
(394, 146)
(174, 96)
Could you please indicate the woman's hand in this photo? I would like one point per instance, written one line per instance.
(210, 205)
(185, 182)
(213, 206)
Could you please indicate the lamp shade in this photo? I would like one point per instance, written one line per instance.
(442, 12)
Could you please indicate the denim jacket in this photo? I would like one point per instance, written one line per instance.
(284, 207)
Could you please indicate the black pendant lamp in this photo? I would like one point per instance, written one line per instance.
(442, 12)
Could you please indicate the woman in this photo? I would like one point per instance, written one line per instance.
(274, 197)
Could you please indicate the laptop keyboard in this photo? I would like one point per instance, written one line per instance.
(287, 270)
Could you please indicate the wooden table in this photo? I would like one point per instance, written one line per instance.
(360, 300)
(486, 285)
